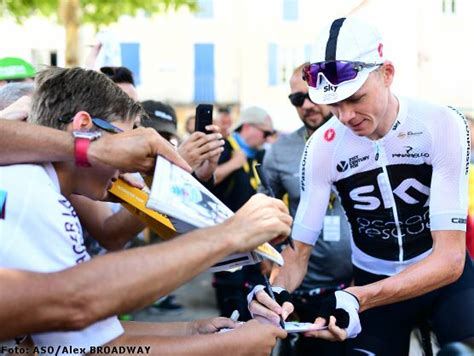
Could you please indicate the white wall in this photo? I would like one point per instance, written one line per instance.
(432, 51)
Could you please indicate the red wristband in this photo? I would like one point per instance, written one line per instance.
(81, 145)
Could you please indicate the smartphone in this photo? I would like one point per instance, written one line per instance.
(203, 117)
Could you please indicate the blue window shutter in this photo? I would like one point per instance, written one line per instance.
(308, 49)
(205, 9)
(272, 64)
(131, 59)
(204, 73)
(290, 10)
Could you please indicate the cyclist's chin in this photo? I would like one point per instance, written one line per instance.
(362, 128)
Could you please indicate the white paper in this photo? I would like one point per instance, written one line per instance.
(178, 194)
(297, 327)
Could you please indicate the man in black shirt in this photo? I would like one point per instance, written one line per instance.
(236, 182)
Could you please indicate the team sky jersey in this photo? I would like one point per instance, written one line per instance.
(40, 232)
(394, 190)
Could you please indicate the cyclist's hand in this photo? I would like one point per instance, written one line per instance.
(341, 309)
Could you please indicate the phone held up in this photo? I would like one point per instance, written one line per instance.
(203, 117)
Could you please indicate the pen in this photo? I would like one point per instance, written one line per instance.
(270, 291)
(266, 185)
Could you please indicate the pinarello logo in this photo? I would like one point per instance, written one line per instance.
(380, 49)
(329, 135)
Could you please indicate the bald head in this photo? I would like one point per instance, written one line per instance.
(311, 114)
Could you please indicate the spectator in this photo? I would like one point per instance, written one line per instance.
(123, 77)
(162, 118)
(397, 163)
(189, 125)
(90, 92)
(14, 69)
(11, 92)
(224, 120)
(235, 184)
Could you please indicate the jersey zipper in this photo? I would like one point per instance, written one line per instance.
(387, 193)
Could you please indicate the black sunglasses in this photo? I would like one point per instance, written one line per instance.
(297, 99)
(100, 123)
(266, 133)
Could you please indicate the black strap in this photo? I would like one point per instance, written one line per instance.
(331, 45)
(328, 308)
(281, 297)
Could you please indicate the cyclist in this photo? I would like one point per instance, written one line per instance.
(400, 168)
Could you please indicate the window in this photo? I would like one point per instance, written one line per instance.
(131, 59)
(204, 73)
(308, 51)
(283, 59)
(272, 64)
(448, 6)
(205, 9)
(290, 10)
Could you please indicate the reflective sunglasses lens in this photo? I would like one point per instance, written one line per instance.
(106, 126)
(336, 72)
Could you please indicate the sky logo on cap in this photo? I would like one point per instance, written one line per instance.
(3, 203)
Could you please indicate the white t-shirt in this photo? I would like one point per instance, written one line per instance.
(41, 232)
(394, 190)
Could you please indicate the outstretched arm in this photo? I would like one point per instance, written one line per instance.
(131, 151)
(123, 281)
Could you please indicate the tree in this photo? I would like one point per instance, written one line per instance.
(72, 13)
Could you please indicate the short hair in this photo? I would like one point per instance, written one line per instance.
(119, 74)
(223, 110)
(61, 93)
(11, 92)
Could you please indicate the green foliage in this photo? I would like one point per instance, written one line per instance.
(97, 12)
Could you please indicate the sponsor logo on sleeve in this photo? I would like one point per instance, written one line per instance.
(303, 168)
(329, 135)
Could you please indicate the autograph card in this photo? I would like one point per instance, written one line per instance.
(297, 327)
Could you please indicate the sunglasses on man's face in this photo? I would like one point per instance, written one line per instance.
(297, 99)
(100, 123)
(335, 72)
(266, 133)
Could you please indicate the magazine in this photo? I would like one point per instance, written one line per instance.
(179, 195)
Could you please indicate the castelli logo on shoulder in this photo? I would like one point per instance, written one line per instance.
(329, 135)
(380, 49)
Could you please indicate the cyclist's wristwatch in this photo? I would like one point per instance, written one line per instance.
(82, 140)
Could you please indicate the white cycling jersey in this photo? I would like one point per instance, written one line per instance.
(394, 190)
